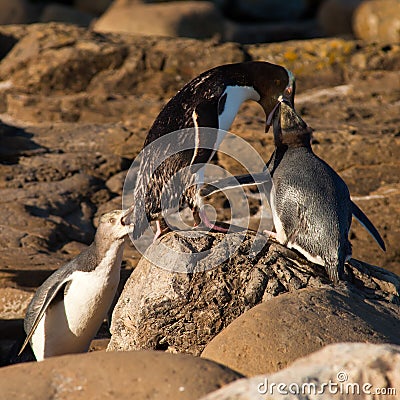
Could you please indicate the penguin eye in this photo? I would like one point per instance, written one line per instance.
(288, 91)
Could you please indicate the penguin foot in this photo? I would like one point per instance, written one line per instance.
(209, 224)
(160, 230)
(269, 233)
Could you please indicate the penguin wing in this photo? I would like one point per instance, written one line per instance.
(180, 155)
(42, 301)
(367, 224)
(233, 182)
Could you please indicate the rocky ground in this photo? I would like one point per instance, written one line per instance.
(76, 106)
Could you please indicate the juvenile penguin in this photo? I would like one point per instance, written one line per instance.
(211, 100)
(68, 309)
(310, 203)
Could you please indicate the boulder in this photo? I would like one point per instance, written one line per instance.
(99, 375)
(378, 21)
(189, 286)
(194, 19)
(266, 338)
(345, 370)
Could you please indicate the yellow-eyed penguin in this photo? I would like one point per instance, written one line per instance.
(310, 203)
(211, 100)
(68, 309)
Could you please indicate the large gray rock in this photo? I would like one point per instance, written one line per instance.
(266, 338)
(194, 19)
(101, 375)
(378, 21)
(354, 371)
(186, 289)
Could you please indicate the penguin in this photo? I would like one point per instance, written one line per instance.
(211, 100)
(68, 309)
(311, 206)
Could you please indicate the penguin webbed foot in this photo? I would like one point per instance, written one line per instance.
(209, 224)
(270, 234)
(333, 275)
(162, 229)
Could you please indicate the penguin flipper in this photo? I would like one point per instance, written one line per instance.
(50, 297)
(367, 224)
(232, 182)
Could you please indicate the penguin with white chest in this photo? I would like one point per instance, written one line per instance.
(310, 203)
(69, 307)
(211, 100)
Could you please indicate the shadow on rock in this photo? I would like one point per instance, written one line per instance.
(16, 143)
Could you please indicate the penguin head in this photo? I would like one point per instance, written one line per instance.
(289, 128)
(111, 225)
(273, 83)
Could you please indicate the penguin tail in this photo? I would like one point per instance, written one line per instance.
(367, 224)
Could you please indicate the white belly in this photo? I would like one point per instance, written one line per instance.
(280, 233)
(314, 259)
(70, 325)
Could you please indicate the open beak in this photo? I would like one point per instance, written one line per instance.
(272, 113)
(126, 215)
(288, 98)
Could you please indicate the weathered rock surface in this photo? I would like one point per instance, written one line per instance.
(76, 106)
(13, 303)
(341, 371)
(378, 21)
(186, 289)
(101, 375)
(273, 334)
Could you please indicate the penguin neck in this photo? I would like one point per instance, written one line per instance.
(230, 102)
(292, 140)
(110, 252)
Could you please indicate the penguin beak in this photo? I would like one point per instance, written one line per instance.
(126, 214)
(271, 114)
